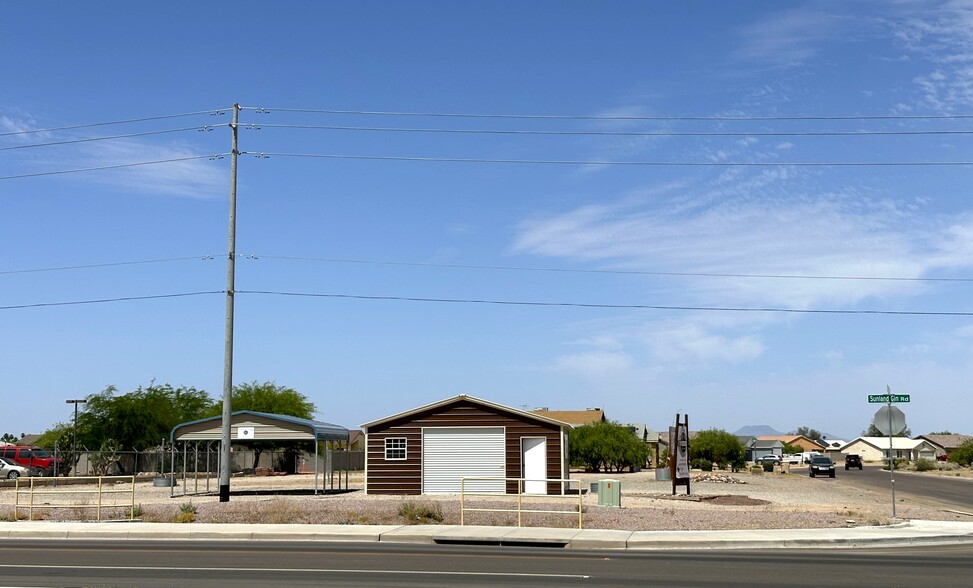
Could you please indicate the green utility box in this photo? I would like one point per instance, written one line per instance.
(610, 493)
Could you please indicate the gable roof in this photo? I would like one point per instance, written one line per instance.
(574, 417)
(461, 397)
(882, 443)
(946, 441)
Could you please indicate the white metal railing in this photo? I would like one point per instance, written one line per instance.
(520, 510)
(63, 496)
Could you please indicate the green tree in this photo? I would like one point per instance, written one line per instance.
(792, 449)
(719, 447)
(10, 439)
(872, 431)
(606, 445)
(812, 434)
(963, 454)
(273, 399)
(140, 419)
(270, 398)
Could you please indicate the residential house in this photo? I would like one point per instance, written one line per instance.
(877, 448)
(945, 444)
(805, 443)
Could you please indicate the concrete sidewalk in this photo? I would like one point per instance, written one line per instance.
(902, 534)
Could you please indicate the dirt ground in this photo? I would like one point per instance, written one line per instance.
(721, 500)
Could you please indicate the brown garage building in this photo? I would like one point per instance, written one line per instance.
(428, 450)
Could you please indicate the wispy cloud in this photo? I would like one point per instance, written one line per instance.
(194, 178)
(790, 37)
(942, 34)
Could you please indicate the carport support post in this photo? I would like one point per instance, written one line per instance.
(228, 345)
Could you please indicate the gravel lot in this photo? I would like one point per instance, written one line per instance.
(747, 501)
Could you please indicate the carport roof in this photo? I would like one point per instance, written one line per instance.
(280, 427)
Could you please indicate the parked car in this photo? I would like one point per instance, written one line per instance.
(769, 458)
(943, 457)
(821, 464)
(37, 461)
(807, 456)
(793, 459)
(11, 471)
(853, 461)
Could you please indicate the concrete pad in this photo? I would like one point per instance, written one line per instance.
(411, 534)
(600, 539)
(364, 533)
(541, 535)
(472, 533)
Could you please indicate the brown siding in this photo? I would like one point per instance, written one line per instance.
(405, 477)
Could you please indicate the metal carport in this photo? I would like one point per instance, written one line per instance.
(247, 426)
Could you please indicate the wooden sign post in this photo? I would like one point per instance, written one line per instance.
(679, 454)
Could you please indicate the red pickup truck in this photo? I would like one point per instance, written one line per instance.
(37, 461)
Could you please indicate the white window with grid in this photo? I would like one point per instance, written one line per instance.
(395, 448)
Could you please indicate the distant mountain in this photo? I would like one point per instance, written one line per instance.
(756, 431)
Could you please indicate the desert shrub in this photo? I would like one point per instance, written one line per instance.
(421, 513)
(768, 467)
(962, 455)
(925, 465)
(701, 463)
(186, 514)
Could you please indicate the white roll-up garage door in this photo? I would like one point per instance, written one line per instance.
(452, 453)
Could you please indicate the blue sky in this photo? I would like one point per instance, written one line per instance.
(605, 86)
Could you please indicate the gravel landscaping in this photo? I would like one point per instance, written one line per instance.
(721, 501)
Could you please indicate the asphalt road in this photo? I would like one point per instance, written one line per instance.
(364, 565)
(938, 491)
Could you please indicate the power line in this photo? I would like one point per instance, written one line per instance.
(264, 155)
(107, 138)
(261, 110)
(109, 264)
(105, 300)
(258, 126)
(217, 112)
(116, 166)
(604, 306)
(606, 271)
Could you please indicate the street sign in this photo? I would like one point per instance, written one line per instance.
(886, 398)
(889, 420)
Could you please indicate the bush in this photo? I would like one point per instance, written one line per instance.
(701, 463)
(415, 513)
(925, 465)
(768, 467)
(962, 455)
(718, 446)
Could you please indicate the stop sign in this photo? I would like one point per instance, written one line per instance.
(889, 420)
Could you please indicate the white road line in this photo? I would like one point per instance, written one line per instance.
(8, 566)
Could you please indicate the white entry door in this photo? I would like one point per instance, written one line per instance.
(534, 455)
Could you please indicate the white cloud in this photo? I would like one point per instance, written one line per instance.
(594, 364)
(790, 37)
(195, 178)
(681, 343)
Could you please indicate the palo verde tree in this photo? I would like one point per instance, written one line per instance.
(606, 445)
(268, 397)
(719, 447)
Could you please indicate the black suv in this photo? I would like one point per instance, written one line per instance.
(853, 461)
(821, 464)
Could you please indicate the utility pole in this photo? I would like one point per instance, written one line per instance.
(228, 345)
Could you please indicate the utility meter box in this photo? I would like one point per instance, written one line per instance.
(610, 493)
